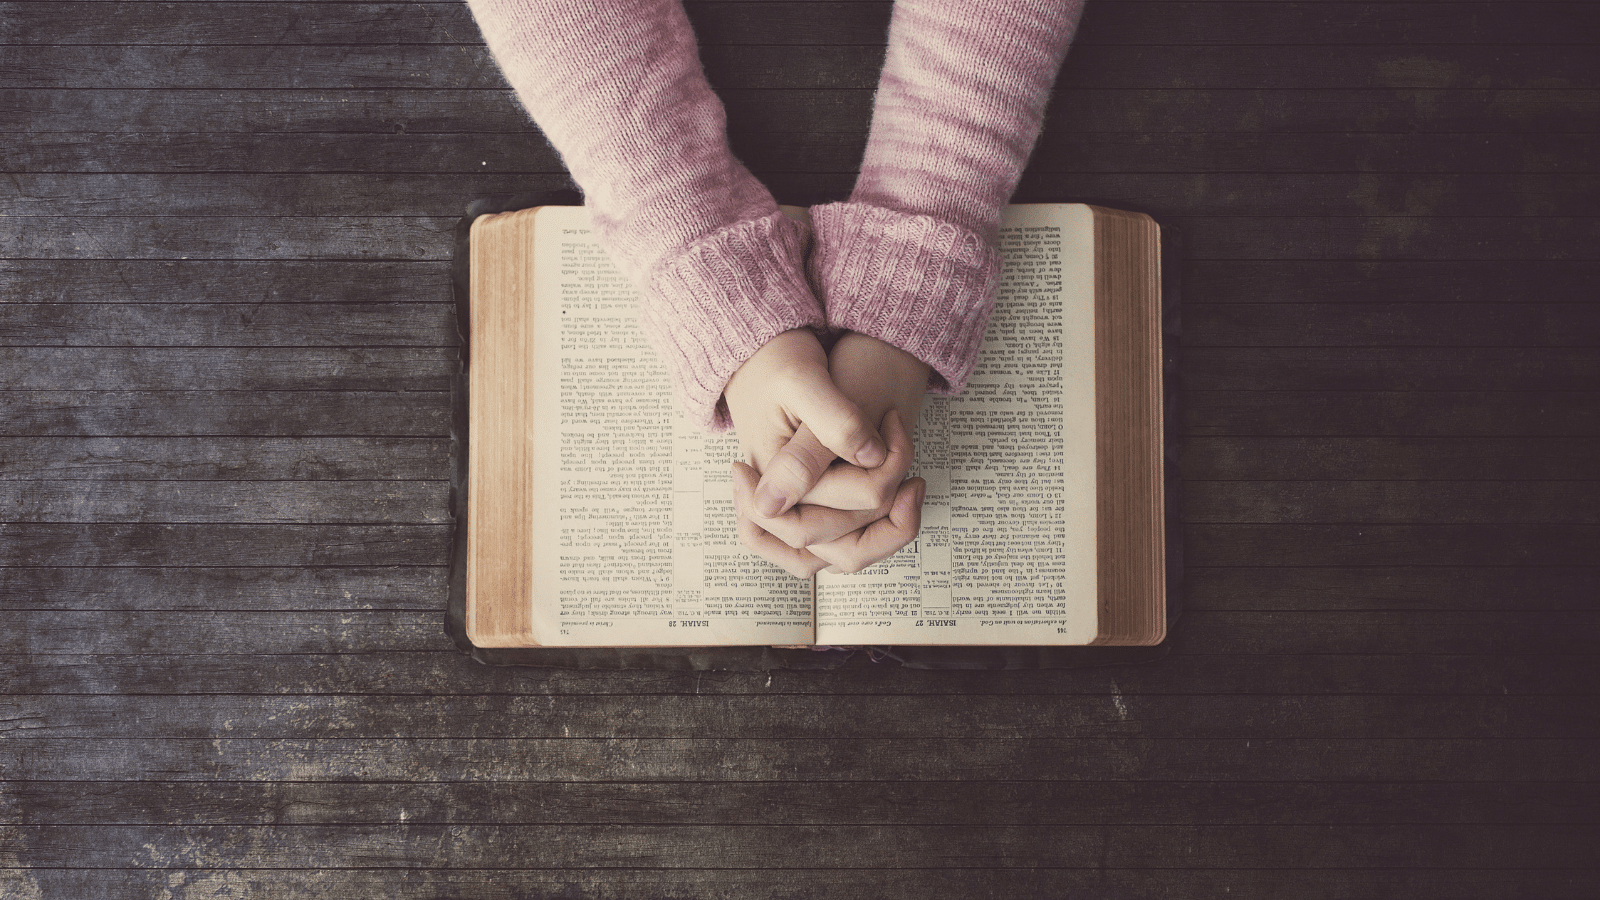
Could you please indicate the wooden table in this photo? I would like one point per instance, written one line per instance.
(226, 334)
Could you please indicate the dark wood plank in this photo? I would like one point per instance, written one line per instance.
(1408, 281)
(1435, 413)
(349, 325)
(1391, 237)
(155, 631)
(442, 670)
(1421, 66)
(798, 846)
(891, 883)
(223, 459)
(1390, 545)
(225, 545)
(31, 22)
(1394, 588)
(229, 413)
(223, 588)
(1348, 147)
(226, 369)
(246, 502)
(1393, 324)
(218, 237)
(889, 803)
(1314, 24)
(1528, 371)
(1394, 502)
(304, 66)
(1367, 631)
(232, 280)
(1263, 459)
(792, 718)
(851, 760)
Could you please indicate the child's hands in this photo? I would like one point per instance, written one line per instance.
(878, 377)
(784, 539)
(864, 536)
(794, 422)
(853, 517)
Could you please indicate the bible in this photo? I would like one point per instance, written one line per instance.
(597, 516)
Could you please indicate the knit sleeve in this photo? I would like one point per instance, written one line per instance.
(910, 258)
(618, 89)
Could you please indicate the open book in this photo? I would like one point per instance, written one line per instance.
(597, 516)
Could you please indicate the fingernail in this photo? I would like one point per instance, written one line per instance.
(769, 500)
(871, 456)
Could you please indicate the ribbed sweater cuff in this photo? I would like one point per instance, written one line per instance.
(921, 284)
(711, 307)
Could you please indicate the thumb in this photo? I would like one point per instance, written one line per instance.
(791, 473)
(837, 424)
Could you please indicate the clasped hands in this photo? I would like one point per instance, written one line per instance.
(827, 435)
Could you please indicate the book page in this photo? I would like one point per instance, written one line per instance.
(1006, 554)
(634, 542)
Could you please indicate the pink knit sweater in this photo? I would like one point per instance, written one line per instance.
(910, 259)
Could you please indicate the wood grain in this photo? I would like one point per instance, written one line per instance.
(246, 412)
(514, 761)
(1217, 667)
(788, 718)
(224, 515)
(891, 883)
(149, 369)
(890, 803)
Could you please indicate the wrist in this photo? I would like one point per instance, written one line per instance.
(878, 375)
(712, 308)
(912, 281)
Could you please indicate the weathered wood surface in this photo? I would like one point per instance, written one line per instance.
(781, 718)
(746, 846)
(176, 872)
(225, 351)
(377, 669)
(729, 803)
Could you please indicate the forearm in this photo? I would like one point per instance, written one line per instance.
(618, 89)
(911, 258)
